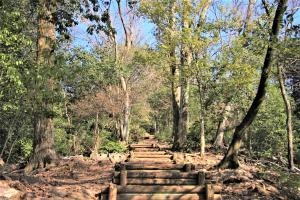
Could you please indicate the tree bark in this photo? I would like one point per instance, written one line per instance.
(185, 62)
(124, 129)
(288, 110)
(126, 32)
(201, 118)
(175, 89)
(203, 12)
(230, 160)
(43, 140)
(219, 139)
(175, 107)
(248, 20)
(126, 113)
(202, 136)
(184, 98)
(96, 134)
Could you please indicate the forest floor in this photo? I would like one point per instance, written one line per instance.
(83, 178)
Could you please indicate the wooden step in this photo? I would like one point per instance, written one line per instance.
(161, 189)
(158, 181)
(165, 147)
(143, 145)
(203, 191)
(168, 188)
(151, 156)
(156, 197)
(160, 174)
(145, 149)
(149, 152)
(148, 160)
(161, 166)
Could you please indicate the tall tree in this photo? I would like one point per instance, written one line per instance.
(128, 33)
(185, 64)
(230, 160)
(175, 89)
(43, 140)
(288, 110)
(247, 25)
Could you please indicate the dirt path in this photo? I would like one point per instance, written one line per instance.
(151, 173)
(83, 178)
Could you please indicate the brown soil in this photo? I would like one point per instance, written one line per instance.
(75, 178)
(82, 178)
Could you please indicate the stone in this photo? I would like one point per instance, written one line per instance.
(117, 157)
(96, 156)
(8, 193)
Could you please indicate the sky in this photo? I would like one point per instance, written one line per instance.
(145, 28)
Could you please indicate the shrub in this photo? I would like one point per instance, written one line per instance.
(113, 147)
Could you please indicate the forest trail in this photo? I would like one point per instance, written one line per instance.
(151, 173)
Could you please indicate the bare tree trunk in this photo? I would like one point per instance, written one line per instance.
(175, 106)
(219, 139)
(186, 60)
(175, 89)
(248, 20)
(288, 110)
(126, 116)
(96, 134)
(43, 141)
(230, 160)
(203, 13)
(126, 33)
(202, 135)
(201, 21)
(183, 120)
(184, 99)
(8, 137)
(201, 118)
(128, 46)
(125, 121)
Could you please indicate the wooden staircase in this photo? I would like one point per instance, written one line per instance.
(150, 173)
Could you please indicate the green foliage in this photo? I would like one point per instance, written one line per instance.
(225, 70)
(136, 133)
(165, 135)
(113, 147)
(193, 138)
(268, 132)
(25, 145)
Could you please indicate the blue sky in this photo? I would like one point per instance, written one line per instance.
(144, 28)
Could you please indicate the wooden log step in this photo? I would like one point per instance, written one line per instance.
(164, 166)
(159, 174)
(157, 197)
(161, 189)
(157, 181)
(152, 171)
(142, 145)
(151, 156)
(162, 197)
(145, 149)
(168, 189)
(143, 160)
(165, 146)
(147, 162)
(150, 152)
(165, 189)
